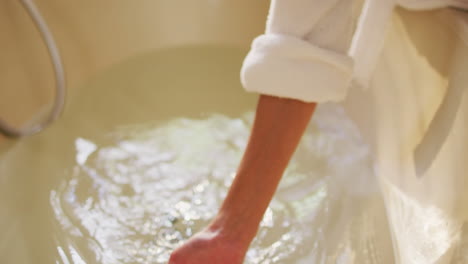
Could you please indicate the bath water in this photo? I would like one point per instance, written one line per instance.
(144, 155)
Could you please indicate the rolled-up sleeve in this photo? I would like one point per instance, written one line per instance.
(303, 53)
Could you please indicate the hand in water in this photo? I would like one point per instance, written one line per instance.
(278, 127)
(208, 247)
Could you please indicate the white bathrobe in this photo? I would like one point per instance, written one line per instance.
(401, 73)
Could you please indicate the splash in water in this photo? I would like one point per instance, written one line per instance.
(138, 196)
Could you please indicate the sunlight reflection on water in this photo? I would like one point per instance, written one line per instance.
(152, 186)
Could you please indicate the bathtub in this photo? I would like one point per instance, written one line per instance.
(92, 42)
(173, 67)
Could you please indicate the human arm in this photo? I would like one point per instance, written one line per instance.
(278, 126)
(302, 55)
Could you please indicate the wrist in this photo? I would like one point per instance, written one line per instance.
(235, 229)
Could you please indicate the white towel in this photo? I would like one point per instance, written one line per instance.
(303, 54)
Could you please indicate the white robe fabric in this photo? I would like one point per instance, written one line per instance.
(308, 41)
(402, 74)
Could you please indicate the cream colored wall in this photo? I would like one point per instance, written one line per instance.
(92, 35)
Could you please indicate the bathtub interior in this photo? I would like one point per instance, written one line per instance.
(94, 35)
(143, 156)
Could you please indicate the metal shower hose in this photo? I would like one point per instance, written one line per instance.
(59, 102)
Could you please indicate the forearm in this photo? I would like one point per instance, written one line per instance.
(278, 127)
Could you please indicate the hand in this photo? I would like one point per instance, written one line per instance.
(209, 247)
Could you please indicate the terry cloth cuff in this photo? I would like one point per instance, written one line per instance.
(287, 66)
